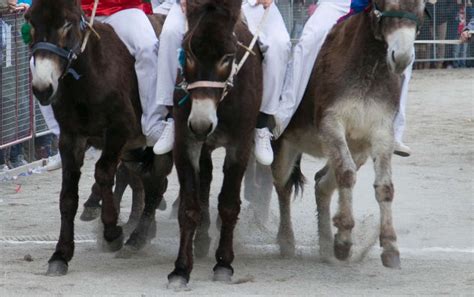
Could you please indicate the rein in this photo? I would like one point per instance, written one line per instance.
(70, 54)
(236, 67)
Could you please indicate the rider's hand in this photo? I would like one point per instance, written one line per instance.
(265, 3)
(465, 36)
(183, 5)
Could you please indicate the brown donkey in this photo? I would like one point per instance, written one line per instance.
(94, 95)
(208, 120)
(347, 116)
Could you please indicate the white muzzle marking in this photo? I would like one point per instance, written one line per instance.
(400, 53)
(45, 73)
(203, 117)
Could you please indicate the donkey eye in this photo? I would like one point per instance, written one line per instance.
(67, 26)
(226, 60)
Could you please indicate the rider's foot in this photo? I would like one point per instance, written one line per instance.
(401, 150)
(54, 162)
(263, 146)
(166, 142)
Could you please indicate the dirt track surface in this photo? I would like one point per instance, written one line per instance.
(433, 216)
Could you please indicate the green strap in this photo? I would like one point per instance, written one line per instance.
(400, 14)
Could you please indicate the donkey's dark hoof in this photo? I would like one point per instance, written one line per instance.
(342, 249)
(223, 274)
(114, 245)
(57, 268)
(391, 259)
(201, 246)
(90, 213)
(177, 281)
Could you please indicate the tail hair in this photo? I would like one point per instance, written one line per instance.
(297, 180)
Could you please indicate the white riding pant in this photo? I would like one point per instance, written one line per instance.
(48, 115)
(274, 42)
(136, 32)
(400, 120)
(304, 56)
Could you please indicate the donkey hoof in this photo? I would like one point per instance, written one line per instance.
(201, 246)
(342, 249)
(177, 282)
(57, 268)
(90, 214)
(287, 247)
(223, 274)
(126, 252)
(391, 259)
(114, 245)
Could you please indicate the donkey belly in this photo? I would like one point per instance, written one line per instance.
(363, 119)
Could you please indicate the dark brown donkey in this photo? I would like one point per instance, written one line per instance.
(95, 99)
(347, 116)
(207, 121)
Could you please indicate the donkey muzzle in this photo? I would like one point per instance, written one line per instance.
(400, 52)
(203, 118)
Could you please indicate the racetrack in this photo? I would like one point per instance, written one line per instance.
(433, 216)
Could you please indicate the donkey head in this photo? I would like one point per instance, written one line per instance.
(210, 48)
(55, 41)
(397, 22)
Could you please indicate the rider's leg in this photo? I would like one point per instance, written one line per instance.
(400, 148)
(170, 41)
(136, 32)
(275, 44)
(54, 162)
(304, 56)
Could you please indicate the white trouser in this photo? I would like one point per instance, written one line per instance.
(400, 120)
(274, 42)
(48, 115)
(135, 30)
(162, 7)
(304, 56)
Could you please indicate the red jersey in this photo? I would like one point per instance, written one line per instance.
(109, 7)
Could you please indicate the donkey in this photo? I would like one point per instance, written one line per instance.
(217, 114)
(347, 116)
(94, 95)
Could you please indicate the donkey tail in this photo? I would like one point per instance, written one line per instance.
(297, 180)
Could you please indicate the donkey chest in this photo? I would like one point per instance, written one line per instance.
(82, 119)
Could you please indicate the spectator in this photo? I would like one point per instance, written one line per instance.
(3, 166)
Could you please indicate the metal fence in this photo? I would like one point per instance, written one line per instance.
(16, 103)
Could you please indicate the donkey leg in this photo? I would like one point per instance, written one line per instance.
(285, 158)
(202, 241)
(384, 193)
(345, 172)
(105, 170)
(138, 200)
(189, 215)
(92, 205)
(229, 209)
(155, 182)
(325, 184)
(121, 182)
(72, 155)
